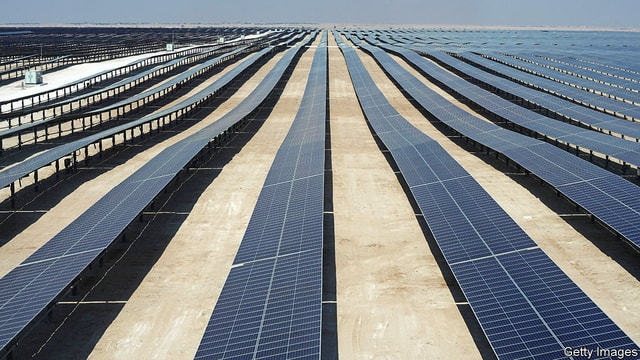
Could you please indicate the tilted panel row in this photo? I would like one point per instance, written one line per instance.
(490, 256)
(32, 164)
(626, 151)
(535, 66)
(564, 91)
(271, 303)
(163, 89)
(567, 66)
(594, 119)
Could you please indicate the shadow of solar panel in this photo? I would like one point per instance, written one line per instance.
(30, 288)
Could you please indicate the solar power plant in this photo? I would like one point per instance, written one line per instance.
(568, 172)
(465, 212)
(310, 192)
(530, 65)
(610, 105)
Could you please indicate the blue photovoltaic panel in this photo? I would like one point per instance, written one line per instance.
(565, 91)
(238, 312)
(30, 165)
(27, 290)
(271, 304)
(502, 272)
(288, 322)
(45, 280)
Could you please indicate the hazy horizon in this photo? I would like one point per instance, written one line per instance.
(617, 14)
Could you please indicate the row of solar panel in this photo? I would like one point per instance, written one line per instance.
(592, 118)
(271, 303)
(527, 307)
(621, 74)
(130, 100)
(608, 52)
(626, 151)
(614, 201)
(595, 119)
(42, 95)
(533, 65)
(38, 281)
(565, 91)
(173, 81)
(32, 164)
(573, 68)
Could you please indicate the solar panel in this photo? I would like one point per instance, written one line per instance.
(577, 95)
(548, 70)
(271, 303)
(626, 151)
(41, 160)
(578, 113)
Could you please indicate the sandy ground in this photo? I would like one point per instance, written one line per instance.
(393, 300)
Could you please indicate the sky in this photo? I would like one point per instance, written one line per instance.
(543, 13)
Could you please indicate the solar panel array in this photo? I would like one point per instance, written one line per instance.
(596, 120)
(622, 87)
(535, 66)
(621, 149)
(26, 291)
(609, 52)
(577, 95)
(527, 307)
(591, 69)
(608, 197)
(592, 118)
(30, 165)
(183, 77)
(271, 303)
